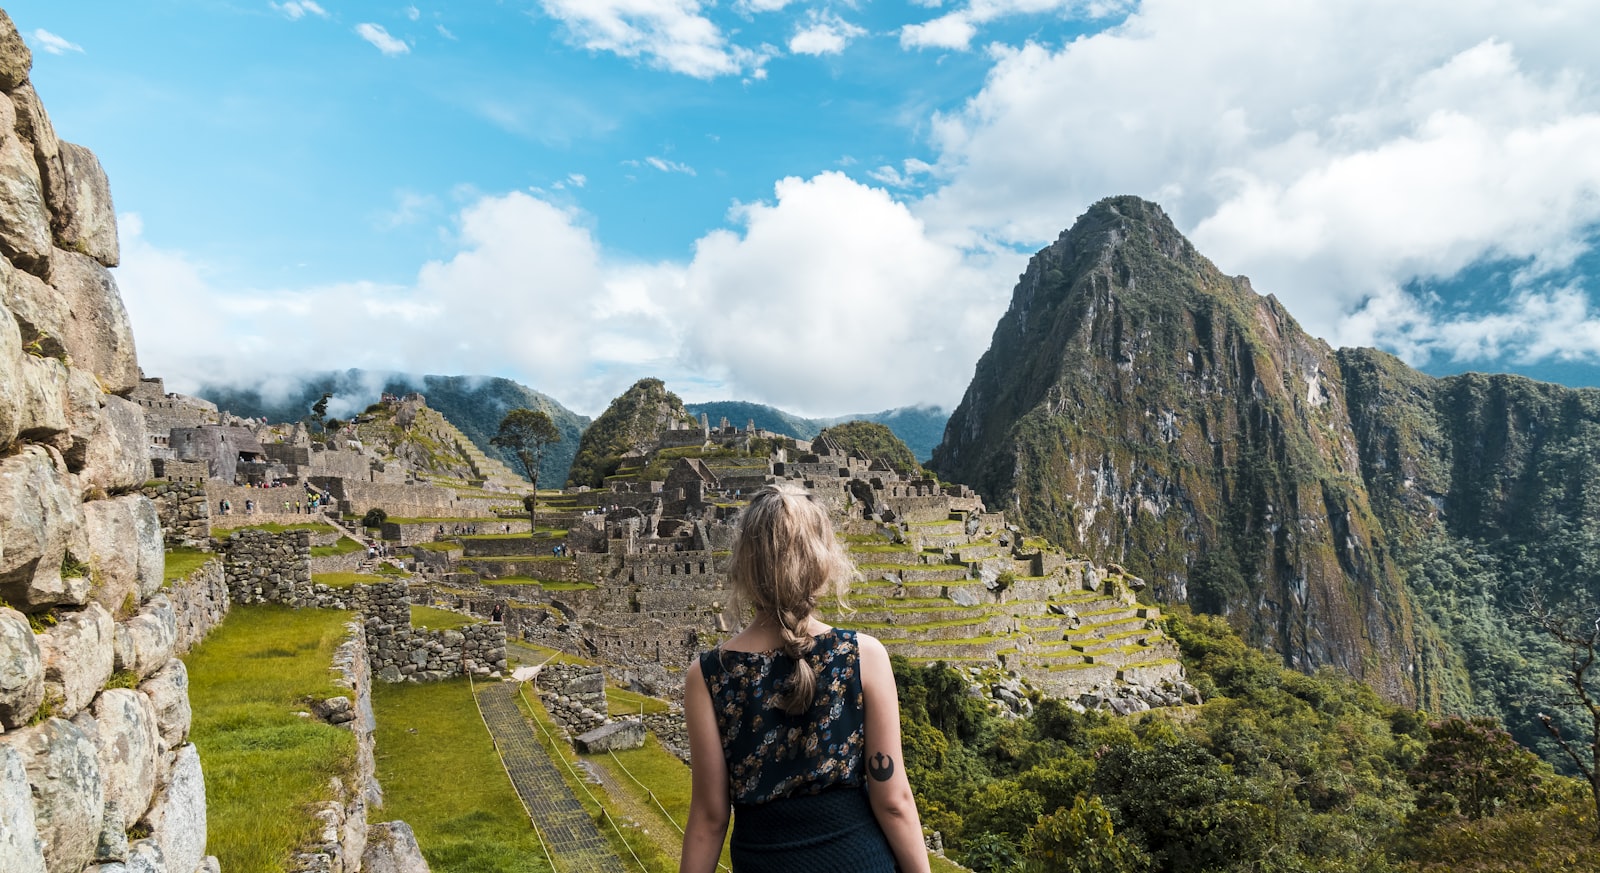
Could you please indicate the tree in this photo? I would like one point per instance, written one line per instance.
(1080, 840)
(1577, 629)
(1474, 768)
(527, 433)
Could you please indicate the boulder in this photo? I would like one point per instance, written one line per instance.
(33, 125)
(21, 850)
(68, 795)
(129, 748)
(40, 312)
(43, 383)
(15, 58)
(392, 848)
(964, 597)
(627, 733)
(13, 397)
(21, 670)
(168, 690)
(78, 654)
(143, 856)
(145, 643)
(80, 207)
(107, 447)
(95, 331)
(41, 524)
(125, 549)
(178, 818)
(24, 218)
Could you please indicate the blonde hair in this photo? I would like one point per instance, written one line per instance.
(784, 559)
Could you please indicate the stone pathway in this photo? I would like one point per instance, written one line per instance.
(575, 844)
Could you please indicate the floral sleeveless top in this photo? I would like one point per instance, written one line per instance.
(772, 754)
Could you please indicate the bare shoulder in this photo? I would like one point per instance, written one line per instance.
(871, 645)
(693, 673)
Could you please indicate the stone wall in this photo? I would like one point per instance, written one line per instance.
(265, 567)
(574, 695)
(185, 513)
(92, 777)
(199, 603)
(411, 501)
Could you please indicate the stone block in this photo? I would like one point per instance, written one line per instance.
(129, 747)
(78, 655)
(147, 641)
(107, 447)
(168, 690)
(625, 734)
(21, 850)
(24, 218)
(15, 58)
(43, 382)
(21, 670)
(178, 817)
(13, 394)
(143, 856)
(392, 848)
(41, 523)
(125, 550)
(33, 125)
(68, 794)
(80, 207)
(95, 330)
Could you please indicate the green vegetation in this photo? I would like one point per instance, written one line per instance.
(264, 764)
(182, 562)
(631, 421)
(875, 441)
(440, 546)
(275, 527)
(621, 701)
(546, 584)
(344, 546)
(430, 735)
(345, 580)
(527, 434)
(1278, 771)
(439, 619)
(375, 517)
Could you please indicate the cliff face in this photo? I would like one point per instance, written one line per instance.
(1138, 405)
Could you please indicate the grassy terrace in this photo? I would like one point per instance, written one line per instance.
(541, 532)
(546, 584)
(430, 735)
(439, 619)
(263, 762)
(274, 527)
(621, 701)
(440, 546)
(182, 562)
(344, 546)
(346, 580)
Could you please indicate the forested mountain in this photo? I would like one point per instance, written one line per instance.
(1339, 507)
(919, 427)
(475, 404)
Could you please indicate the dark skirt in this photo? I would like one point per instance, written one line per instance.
(816, 833)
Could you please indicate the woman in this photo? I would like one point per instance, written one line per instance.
(794, 726)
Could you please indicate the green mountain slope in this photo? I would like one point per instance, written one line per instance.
(919, 427)
(629, 425)
(475, 404)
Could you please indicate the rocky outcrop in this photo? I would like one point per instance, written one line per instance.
(91, 776)
(630, 424)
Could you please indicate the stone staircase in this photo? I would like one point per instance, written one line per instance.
(495, 474)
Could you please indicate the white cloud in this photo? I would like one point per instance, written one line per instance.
(823, 34)
(667, 166)
(54, 44)
(413, 13)
(381, 40)
(803, 286)
(749, 6)
(577, 180)
(1332, 152)
(298, 9)
(669, 34)
(445, 32)
(955, 30)
(410, 207)
(895, 178)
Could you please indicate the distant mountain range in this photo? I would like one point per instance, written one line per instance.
(919, 427)
(475, 404)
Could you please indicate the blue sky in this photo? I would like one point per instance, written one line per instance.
(820, 205)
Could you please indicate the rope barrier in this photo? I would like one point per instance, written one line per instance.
(473, 688)
(581, 783)
(652, 795)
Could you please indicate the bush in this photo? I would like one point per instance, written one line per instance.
(375, 517)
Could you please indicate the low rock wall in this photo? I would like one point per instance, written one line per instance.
(574, 695)
(200, 602)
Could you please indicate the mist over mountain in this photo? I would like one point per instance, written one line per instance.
(919, 427)
(1339, 507)
(475, 404)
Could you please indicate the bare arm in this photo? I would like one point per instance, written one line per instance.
(708, 800)
(887, 786)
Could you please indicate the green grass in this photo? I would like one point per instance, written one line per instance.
(664, 777)
(440, 546)
(392, 571)
(430, 734)
(275, 527)
(621, 701)
(182, 562)
(394, 520)
(345, 580)
(439, 619)
(263, 762)
(533, 653)
(344, 546)
(546, 584)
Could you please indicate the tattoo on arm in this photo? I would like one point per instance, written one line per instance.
(881, 767)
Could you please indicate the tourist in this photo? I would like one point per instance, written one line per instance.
(794, 726)
(497, 614)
